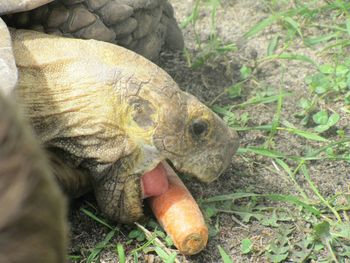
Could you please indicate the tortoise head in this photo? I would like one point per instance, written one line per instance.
(203, 147)
(186, 132)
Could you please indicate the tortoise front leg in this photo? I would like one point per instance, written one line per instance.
(119, 196)
(73, 182)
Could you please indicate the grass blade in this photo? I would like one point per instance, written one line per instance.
(225, 258)
(291, 176)
(253, 128)
(293, 24)
(315, 190)
(272, 45)
(90, 214)
(312, 41)
(152, 238)
(261, 100)
(261, 151)
(293, 200)
(171, 258)
(275, 197)
(298, 57)
(121, 253)
(261, 26)
(277, 117)
(192, 18)
(99, 247)
(246, 246)
(226, 197)
(305, 134)
(348, 26)
(161, 253)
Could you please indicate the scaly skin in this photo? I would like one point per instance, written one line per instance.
(144, 26)
(110, 115)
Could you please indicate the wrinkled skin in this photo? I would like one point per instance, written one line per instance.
(109, 116)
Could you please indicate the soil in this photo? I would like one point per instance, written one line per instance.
(258, 174)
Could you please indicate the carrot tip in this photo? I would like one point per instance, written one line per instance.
(194, 243)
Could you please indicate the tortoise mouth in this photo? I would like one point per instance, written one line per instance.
(130, 207)
(154, 182)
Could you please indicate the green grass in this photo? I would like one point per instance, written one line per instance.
(205, 50)
(145, 239)
(306, 224)
(327, 235)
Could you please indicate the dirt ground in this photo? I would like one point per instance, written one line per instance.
(259, 175)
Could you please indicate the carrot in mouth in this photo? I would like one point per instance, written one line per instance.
(179, 215)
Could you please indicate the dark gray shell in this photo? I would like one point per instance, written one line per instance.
(145, 27)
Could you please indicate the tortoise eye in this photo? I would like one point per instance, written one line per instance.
(199, 127)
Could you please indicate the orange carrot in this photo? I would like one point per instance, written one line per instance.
(180, 216)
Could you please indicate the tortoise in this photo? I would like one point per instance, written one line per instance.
(103, 116)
